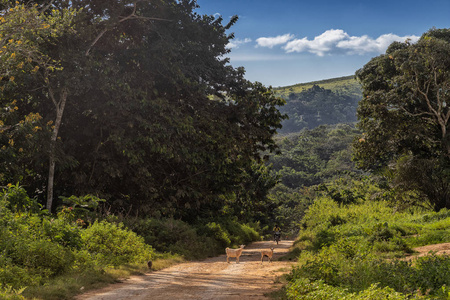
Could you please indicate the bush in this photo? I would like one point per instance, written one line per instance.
(176, 236)
(112, 244)
(17, 200)
(241, 234)
(323, 238)
(434, 216)
(220, 235)
(304, 289)
(17, 277)
(9, 293)
(381, 232)
(429, 237)
(432, 273)
(28, 255)
(42, 256)
(192, 241)
(61, 232)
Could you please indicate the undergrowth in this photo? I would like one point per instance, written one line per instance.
(357, 250)
(45, 256)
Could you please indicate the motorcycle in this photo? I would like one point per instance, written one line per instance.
(277, 236)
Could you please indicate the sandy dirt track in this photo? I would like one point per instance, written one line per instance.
(437, 249)
(213, 278)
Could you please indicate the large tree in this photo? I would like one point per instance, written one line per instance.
(405, 117)
(156, 119)
(25, 32)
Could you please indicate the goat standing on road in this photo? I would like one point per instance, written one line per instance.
(268, 253)
(234, 253)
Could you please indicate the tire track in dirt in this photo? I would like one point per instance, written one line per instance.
(212, 278)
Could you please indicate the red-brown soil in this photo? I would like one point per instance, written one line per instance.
(213, 278)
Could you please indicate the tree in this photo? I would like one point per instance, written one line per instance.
(156, 120)
(316, 106)
(24, 30)
(404, 113)
(312, 157)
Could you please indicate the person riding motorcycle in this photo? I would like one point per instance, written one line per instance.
(276, 233)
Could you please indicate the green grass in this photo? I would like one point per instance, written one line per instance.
(345, 85)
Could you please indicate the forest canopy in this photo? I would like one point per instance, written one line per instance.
(131, 101)
(404, 116)
(317, 106)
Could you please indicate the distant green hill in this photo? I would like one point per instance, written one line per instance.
(312, 104)
(342, 85)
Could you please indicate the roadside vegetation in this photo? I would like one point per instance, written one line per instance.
(47, 256)
(355, 248)
(356, 234)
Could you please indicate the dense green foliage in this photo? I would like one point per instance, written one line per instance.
(306, 161)
(135, 103)
(404, 116)
(37, 248)
(139, 107)
(193, 241)
(344, 249)
(317, 106)
(311, 157)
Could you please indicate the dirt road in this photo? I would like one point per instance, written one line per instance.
(213, 278)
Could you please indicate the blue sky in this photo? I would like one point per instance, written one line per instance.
(285, 42)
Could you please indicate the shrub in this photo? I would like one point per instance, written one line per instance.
(81, 208)
(41, 256)
(434, 216)
(112, 244)
(176, 236)
(429, 237)
(83, 260)
(192, 241)
(17, 277)
(9, 293)
(324, 237)
(240, 233)
(432, 272)
(305, 289)
(215, 230)
(17, 200)
(381, 232)
(347, 264)
(61, 232)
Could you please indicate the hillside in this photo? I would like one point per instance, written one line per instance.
(341, 85)
(325, 102)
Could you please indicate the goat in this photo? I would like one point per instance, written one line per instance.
(234, 253)
(268, 253)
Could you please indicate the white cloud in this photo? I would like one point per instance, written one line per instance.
(259, 57)
(270, 42)
(237, 42)
(335, 41)
(321, 44)
(364, 44)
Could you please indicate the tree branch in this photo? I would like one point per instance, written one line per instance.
(122, 19)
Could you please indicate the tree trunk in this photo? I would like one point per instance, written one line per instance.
(59, 105)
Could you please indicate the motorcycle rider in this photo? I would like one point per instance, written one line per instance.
(276, 232)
